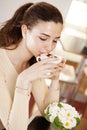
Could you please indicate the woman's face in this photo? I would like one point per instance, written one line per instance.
(43, 37)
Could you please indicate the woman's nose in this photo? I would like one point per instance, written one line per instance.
(49, 47)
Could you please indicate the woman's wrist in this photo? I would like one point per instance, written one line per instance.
(55, 84)
(22, 90)
(26, 89)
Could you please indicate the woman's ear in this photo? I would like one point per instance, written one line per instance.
(24, 30)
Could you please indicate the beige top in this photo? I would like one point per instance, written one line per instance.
(14, 106)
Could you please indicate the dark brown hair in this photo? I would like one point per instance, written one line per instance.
(39, 123)
(29, 14)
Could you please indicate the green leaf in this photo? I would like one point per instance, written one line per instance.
(58, 125)
(55, 126)
(57, 122)
(47, 115)
(47, 110)
(77, 120)
(60, 105)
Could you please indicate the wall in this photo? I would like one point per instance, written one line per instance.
(7, 7)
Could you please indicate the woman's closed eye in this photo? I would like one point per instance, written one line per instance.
(43, 39)
(55, 41)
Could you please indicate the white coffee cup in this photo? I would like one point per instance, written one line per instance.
(44, 56)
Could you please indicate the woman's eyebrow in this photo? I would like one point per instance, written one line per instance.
(49, 35)
(45, 34)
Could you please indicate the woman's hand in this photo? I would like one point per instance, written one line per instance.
(55, 80)
(59, 68)
(42, 69)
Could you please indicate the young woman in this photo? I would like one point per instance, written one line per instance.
(33, 30)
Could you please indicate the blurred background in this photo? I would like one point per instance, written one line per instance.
(73, 47)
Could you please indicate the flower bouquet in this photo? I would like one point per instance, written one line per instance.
(62, 116)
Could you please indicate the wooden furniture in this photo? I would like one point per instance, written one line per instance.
(82, 125)
(75, 87)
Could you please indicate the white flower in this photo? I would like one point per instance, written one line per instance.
(69, 114)
(73, 121)
(52, 117)
(53, 109)
(61, 113)
(65, 113)
(68, 107)
(53, 112)
(67, 123)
